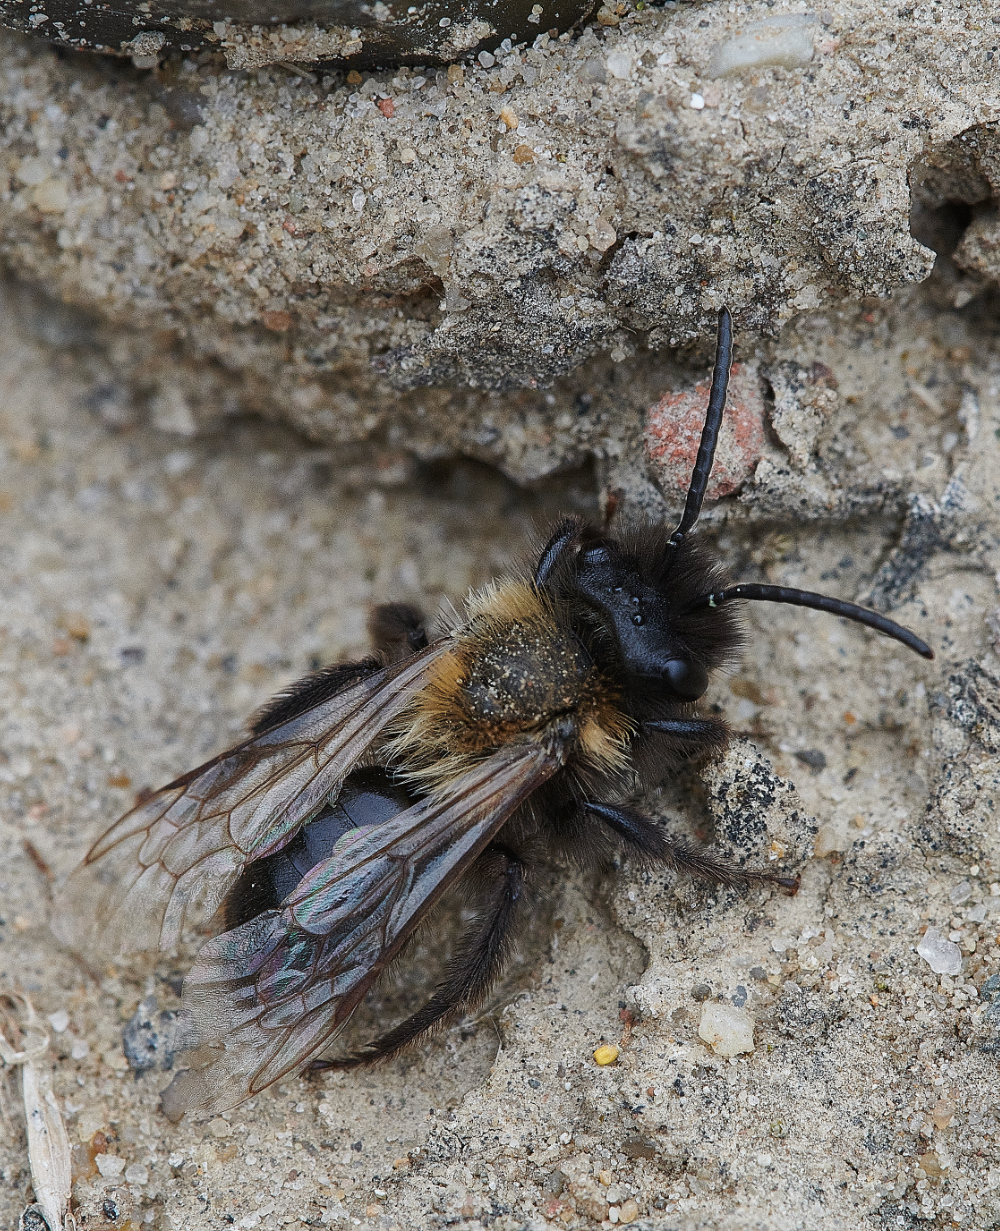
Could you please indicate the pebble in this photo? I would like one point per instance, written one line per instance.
(960, 893)
(136, 1173)
(726, 1029)
(59, 1021)
(942, 956)
(673, 433)
(607, 1054)
(832, 836)
(620, 65)
(786, 40)
(109, 1164)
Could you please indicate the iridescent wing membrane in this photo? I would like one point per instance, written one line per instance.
(192, 839)
(266, 996)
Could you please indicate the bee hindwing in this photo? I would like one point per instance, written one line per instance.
(268, 995)
(195, 836)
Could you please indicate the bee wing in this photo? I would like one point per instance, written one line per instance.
(266, 996)
(192, 839)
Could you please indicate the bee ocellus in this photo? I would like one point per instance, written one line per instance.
(369, 789)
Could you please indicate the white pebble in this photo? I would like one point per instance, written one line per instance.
(726, 1029)
(109, 1164)
(620, 65)
(358, 200)
(80, 1049)
(136, 1173)
(697, 102)
(942, 956)
(786, 40)
(59, 1021)
(961, 893)
(486, 60)
(831, 836)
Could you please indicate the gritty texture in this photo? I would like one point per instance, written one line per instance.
(456, 260)
(169, 563)
(157, 590)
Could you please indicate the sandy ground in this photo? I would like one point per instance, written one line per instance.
(169, 561)
(157, 588)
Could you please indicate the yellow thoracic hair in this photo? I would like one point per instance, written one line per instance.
(437, 737)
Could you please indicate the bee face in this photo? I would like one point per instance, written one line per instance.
(368, 790)
(642, 613)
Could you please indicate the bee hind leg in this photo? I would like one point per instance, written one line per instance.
(397, 630)
(479, 961)
(645, 838)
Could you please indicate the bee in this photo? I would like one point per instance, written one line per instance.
(367, 790)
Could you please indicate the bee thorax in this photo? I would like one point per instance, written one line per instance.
(526, 677)
(517, 674)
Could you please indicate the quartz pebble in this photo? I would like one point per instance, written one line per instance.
(628, 1212)
(831, 837)
(59, 1021)
(109, 1164)
(726, 1029)
(942, 956)
(786, 40)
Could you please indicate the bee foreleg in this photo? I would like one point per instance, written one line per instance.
(707, 733)
(648, 840)
(478, 962)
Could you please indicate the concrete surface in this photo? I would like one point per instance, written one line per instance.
(169, 561)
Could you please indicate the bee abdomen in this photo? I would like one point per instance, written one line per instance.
(368, 797)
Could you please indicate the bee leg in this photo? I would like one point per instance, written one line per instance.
(706, 733)
(565, 536)
(647, 839)
(481, 957)
(397, 631)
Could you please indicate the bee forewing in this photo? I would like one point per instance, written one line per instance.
(193, 838)
(268, 995)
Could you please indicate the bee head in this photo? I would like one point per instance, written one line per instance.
(637, 592)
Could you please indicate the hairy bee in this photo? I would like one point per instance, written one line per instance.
(368, 789)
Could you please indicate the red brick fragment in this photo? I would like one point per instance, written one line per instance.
(277, 320)
(673, 433)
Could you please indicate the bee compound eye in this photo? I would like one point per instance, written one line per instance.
(685, 678)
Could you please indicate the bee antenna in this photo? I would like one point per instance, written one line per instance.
(820, 602)
(710, 432)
